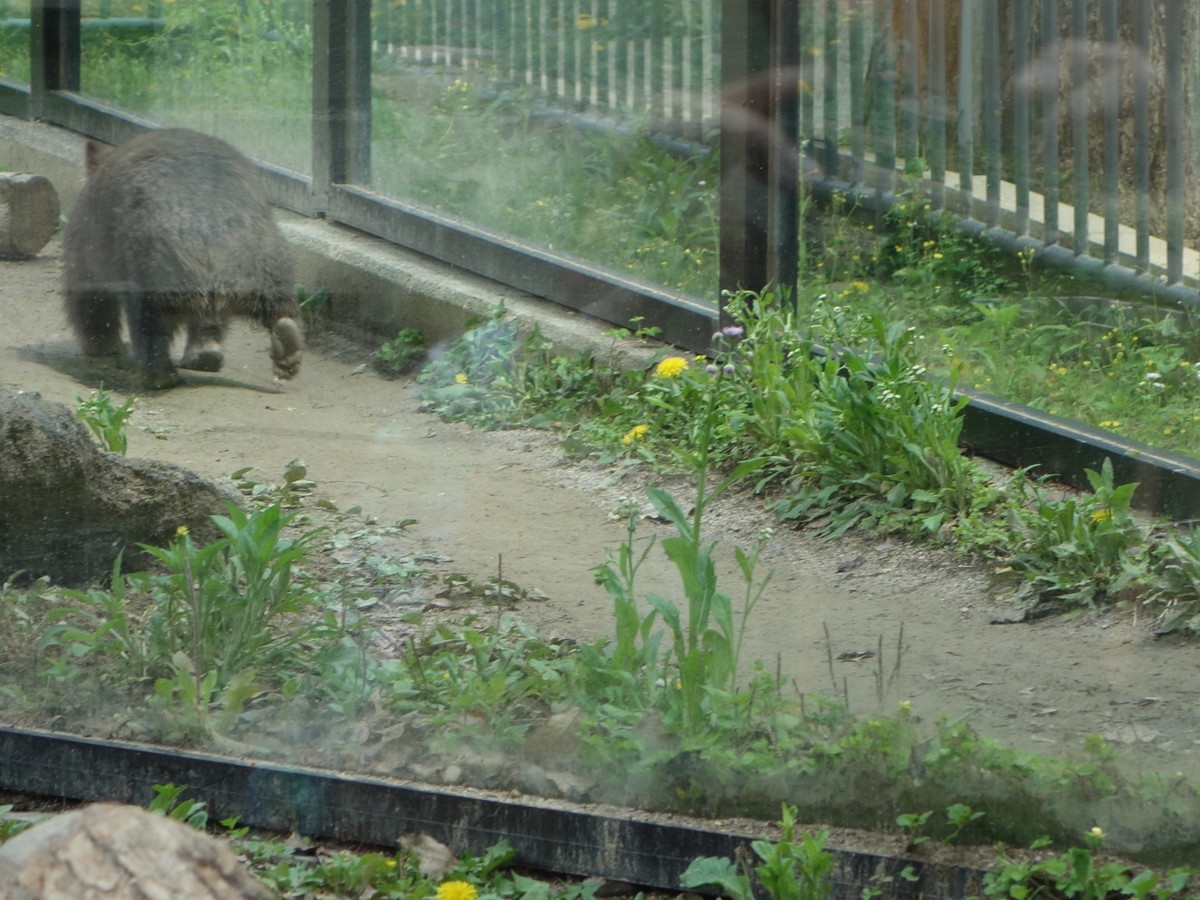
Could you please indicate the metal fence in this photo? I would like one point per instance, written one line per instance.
(658, 60)
(1055, 124)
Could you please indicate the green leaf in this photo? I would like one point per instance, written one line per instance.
(713, 871)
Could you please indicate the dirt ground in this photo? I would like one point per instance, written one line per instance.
(509, 501)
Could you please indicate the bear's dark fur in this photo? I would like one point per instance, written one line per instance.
(173, 230)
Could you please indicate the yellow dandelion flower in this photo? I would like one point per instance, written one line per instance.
(636, 433)
(181, 531)
(456, 890)
(460, 378)
(861, 286)
(1102, 515)
(671, 367)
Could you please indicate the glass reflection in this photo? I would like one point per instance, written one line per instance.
(584, 128)
(238, 70)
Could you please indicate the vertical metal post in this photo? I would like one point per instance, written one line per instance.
(1141, 131)
(759, 237)
(53, 50)
(883, 97)
(1112, 129)
(937, 103)
(785, 162)
(1047, 82)
(1021, 112)
(910, 84)
(831, 46)
(858, 80)
(1079, 123)
(992, 110)
(810, 40)
(966, 107)
(341, 95)
(1173, 50)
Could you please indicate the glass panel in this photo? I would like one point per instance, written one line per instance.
(239, 70)
(14, 41)
(1055, 131)
(586, 128)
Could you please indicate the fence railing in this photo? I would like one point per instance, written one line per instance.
(1062, 122)
(658, 60)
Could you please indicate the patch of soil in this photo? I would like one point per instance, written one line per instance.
(508, 502)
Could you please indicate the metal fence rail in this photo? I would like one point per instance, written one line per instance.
(658, 60)
(988, 108)
(1059, 122)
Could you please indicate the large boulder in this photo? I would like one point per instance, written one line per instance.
(69, 508)
(121, 853)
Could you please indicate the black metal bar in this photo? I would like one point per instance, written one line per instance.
(910, 84)
(341, 94)
(550, 835)
(966, 106)
(1140, 75)
(1020, 140)
(937, 103)
(1174, 139)
(830, 46)
(784, 163)
(54, 36)
(745, 142)
(858, 81)
(92, 117)
(1015, 435)
(883, 96)
(1079, 123)
(992, 109)
(759, 236)
(810, 40)
(1045, 80)
(1112, 130)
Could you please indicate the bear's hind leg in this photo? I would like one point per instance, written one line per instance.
(151, 327)
(203, 351)
(96, 320)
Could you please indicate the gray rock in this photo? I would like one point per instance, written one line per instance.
(69, 508)
(28, 214)
(121, 853)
